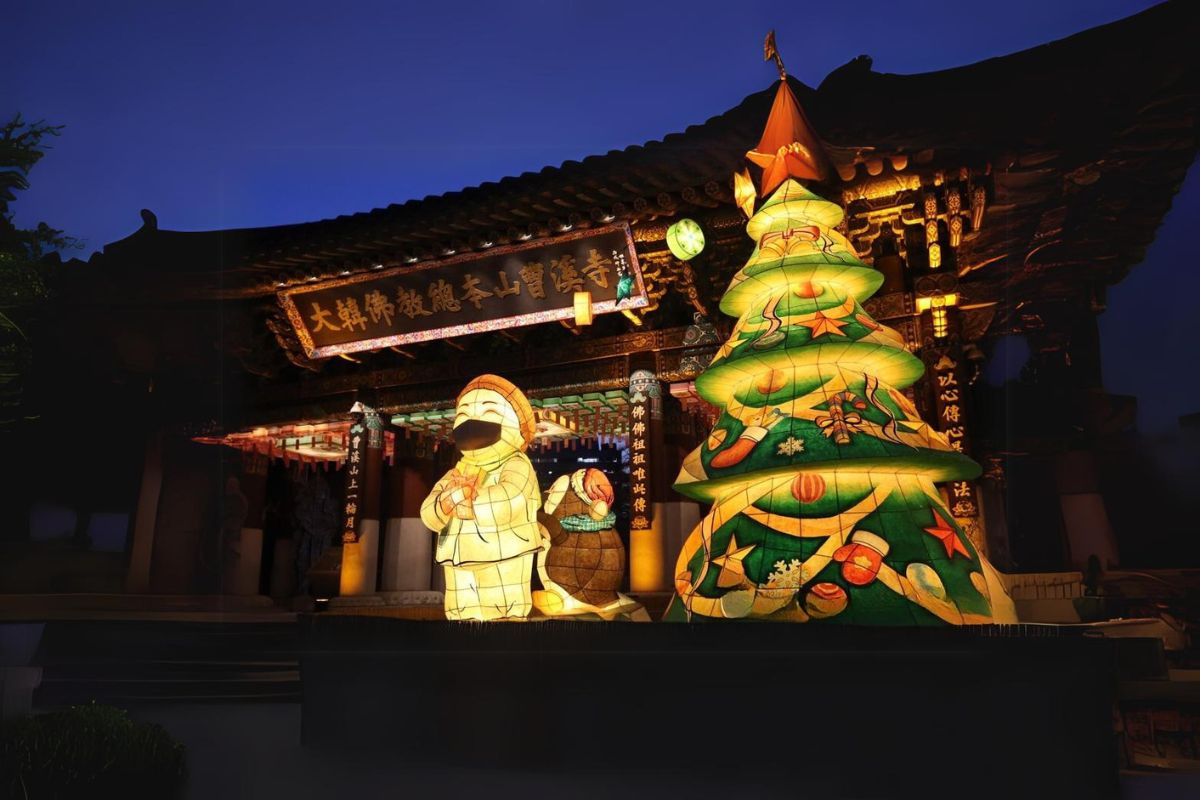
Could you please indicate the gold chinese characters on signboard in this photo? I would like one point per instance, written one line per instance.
(502, 288)
(948, 403)
(643, 390)
(354, 474)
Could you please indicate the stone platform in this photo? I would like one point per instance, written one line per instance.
(983, 712)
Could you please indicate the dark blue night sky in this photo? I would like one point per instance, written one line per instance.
(236, 114)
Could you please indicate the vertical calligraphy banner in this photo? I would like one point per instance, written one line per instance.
(643, 388)
(355, 458)
(950, 407)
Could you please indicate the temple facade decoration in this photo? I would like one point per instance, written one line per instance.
(991, 225)
(484, 510)
(820, 470)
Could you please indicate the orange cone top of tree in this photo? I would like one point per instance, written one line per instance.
(789, 148)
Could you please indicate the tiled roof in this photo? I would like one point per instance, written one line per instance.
(1113, 99)
(1084, 142)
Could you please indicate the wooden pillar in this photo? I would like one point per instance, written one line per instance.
(1089, 531)
(681, 514)
(248, 565)
(364, 479)
(408, 544)
(647, 531)
(145, 515)
(994, 507)
(282, 584)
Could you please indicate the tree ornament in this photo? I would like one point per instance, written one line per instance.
(825, 600)
(809, 290)
(808, 487)
(862, 558)
(944, 532)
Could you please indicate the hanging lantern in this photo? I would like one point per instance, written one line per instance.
(744, 193)
(583, 308)
(685, 239)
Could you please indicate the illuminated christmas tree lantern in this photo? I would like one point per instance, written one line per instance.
(685, 239)
(820, 473)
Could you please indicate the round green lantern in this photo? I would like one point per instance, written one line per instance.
(685, 239)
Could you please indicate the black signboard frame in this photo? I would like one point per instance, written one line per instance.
(369, 312)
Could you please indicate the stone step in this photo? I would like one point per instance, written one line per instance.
(139, 661)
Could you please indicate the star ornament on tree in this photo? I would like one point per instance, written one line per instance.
(943, 532)
(821, 323)
(733, 571)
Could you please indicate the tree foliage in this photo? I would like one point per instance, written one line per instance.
(89, 751)
(25, 270)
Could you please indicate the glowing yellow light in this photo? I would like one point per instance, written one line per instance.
(940, 326)
(685, 239)
(926, 303)
(646, 558)
(935, 256)
(938, 305)
(744, 193)
(353, 577)
(583, 308)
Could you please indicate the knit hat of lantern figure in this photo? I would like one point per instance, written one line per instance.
(492, 420)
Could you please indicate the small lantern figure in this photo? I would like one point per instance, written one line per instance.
(583, 308)
(685, 239)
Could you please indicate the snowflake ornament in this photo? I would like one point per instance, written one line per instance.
(787, 575)
(791, 446)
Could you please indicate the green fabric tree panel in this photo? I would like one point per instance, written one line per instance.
(820, 472)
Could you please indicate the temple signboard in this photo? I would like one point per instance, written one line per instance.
(502, 288)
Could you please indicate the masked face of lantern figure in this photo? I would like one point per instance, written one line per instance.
(484, 510)
(488, 426)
